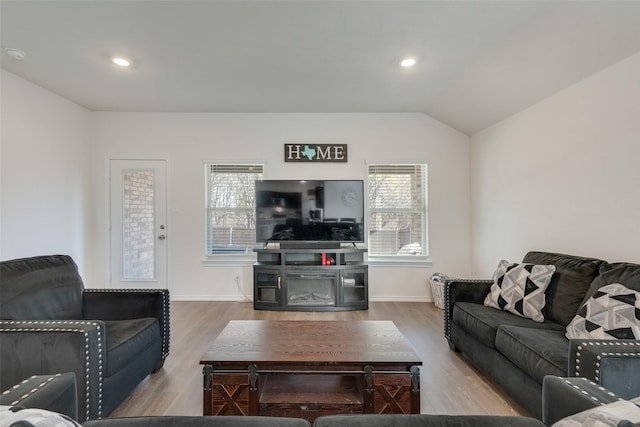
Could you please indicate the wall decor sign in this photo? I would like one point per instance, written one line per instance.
(315, 153)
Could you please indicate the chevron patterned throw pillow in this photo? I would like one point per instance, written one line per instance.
(519, 289)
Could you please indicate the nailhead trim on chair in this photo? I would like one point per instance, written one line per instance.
(602, 354)
(29, 392)
(86, 347)
(585, 392)
(166, 336)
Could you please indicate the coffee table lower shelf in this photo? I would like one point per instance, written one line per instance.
(310, 394)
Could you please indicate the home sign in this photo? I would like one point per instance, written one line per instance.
(315, 152)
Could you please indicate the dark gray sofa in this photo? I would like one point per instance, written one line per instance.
(561, 397)
(110, 339)
(424, 420)
(200, 421)
(517, 353)
(566, 396)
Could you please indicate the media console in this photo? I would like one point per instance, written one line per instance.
(316, 279)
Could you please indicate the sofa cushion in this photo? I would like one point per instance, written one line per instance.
(613, 312)
(127, 338)
(199, 421)
(482, 322)
(519, 289)
(424, 420)
(538, 352)
(622, 272)
(40, 288)
(565, 294)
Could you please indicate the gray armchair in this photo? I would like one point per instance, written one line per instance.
(49, 323)
(55, 393)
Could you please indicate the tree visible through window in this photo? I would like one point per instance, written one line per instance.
(231, 222)
(397, 210)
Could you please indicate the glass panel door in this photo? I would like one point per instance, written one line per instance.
(138, 224)
(353, 288)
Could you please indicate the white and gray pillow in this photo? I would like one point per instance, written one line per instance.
(609, 415)
(612, 312)
(519, 289)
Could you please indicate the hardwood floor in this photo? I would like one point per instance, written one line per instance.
(449, 383)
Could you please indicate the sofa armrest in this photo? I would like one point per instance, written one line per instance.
(614, 364)
(462, 290)
(563, 397)
(122, 304)
(55, 393)
(45, 347)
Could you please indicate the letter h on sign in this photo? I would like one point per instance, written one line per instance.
(315, 153)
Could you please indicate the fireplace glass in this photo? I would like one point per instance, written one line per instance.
(311, 289)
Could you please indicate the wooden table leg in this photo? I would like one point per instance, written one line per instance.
(415, 389)
(368, 390)
(254, 398)
(207, 390)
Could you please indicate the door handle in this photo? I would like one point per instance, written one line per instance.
(162, 237)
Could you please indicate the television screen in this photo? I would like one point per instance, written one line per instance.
(312, 210)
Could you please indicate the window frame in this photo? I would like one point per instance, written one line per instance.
(231, 256)
(395, 259)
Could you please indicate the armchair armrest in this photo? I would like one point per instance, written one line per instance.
(563, 397)
(462, 290)
(614, 364)
(45, 347)
(55, 393)
(121, 304)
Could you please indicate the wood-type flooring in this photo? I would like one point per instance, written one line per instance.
(449, 382)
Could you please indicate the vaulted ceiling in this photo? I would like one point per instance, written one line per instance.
(478, 62)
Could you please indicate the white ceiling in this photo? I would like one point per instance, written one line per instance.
(478, 61)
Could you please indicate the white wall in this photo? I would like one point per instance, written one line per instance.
(43, 187)
(187, 140)
(562, 175)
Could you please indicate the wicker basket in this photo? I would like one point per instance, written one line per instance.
(437, 289)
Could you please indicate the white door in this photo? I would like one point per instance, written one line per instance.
(138, 224)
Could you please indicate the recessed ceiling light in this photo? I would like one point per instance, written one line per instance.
(408, 62)
(121, 61)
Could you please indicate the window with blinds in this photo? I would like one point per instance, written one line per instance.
(231, 222)
(397, 210)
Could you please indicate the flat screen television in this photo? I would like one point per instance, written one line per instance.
(310, 211)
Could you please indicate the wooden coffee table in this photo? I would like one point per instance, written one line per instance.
(307, 369)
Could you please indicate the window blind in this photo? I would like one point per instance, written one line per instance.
(397, 209)
(231, 225)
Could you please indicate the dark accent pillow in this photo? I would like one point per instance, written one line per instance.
(565, 294)
(620, 272)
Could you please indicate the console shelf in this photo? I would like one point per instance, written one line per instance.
(310, 279)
